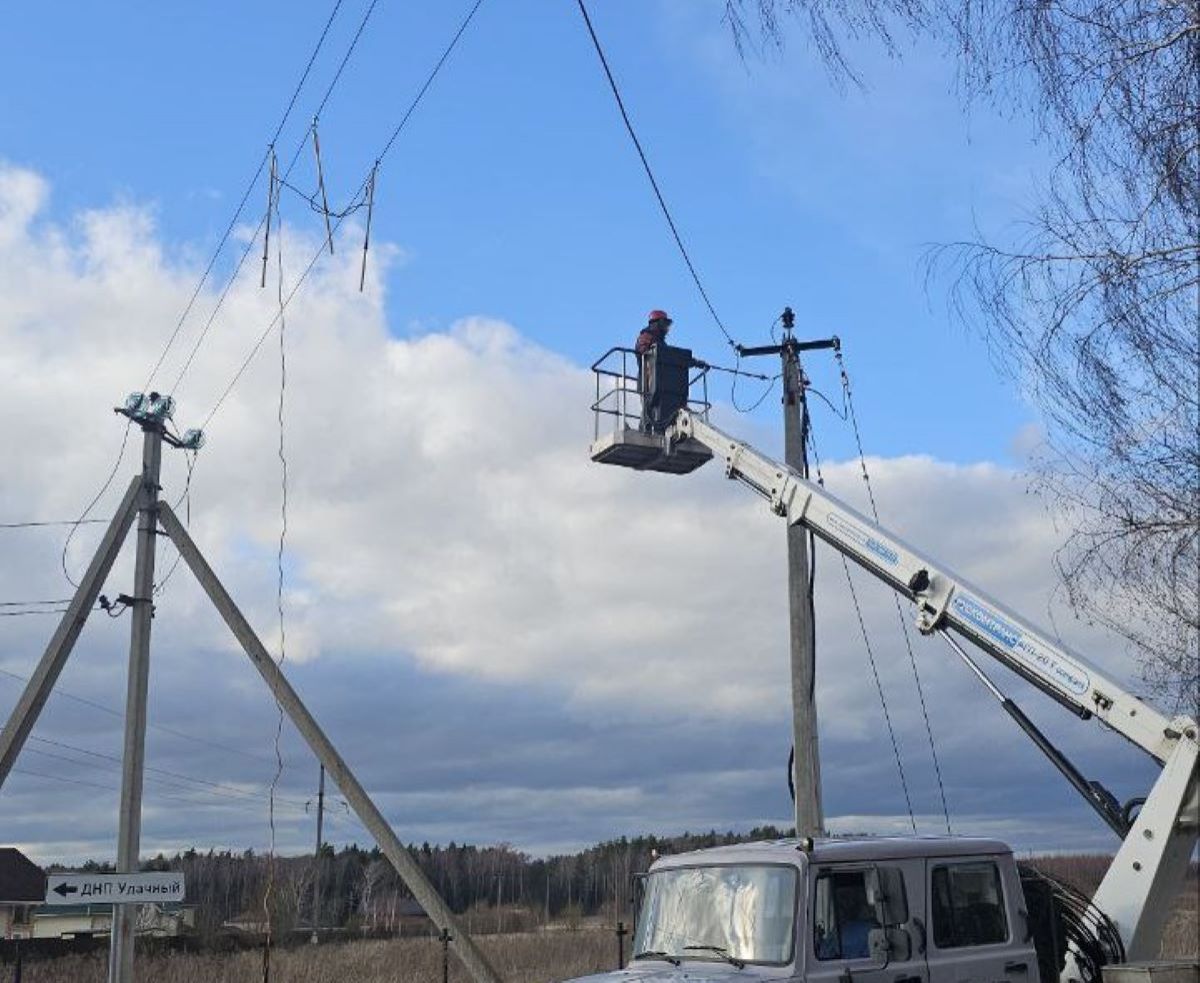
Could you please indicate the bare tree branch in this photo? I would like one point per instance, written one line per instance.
(1094, 310)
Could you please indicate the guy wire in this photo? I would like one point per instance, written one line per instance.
(862, 624)
(848, 401)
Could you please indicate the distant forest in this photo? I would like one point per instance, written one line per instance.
(497, 888)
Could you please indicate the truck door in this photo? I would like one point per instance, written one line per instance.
(864, 923)
(977, 930)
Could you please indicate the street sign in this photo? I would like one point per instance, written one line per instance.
(74, 889)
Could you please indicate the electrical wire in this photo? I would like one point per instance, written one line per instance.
(840, 414)
(761, 399)
(21, 614)
(109, 788)
(769, 379)
(462, 28)
(319, 207)
(245, 197)
(399, 128)
(222, 788)
(662, 204)
(162, 728)
(211, 320)
(211, 788)
(186, 498)
(1075, 925)
(741, 372)
(283, 524)
(19, 609)
(862, 624)
(51, 522)
(337, 76)
(848, 403)
(92, 504)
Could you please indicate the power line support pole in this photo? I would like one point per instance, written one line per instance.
(120, 953)
(802, 630)
(316, 909)
(810, 820)
(402, 861)
(42, 679)
(806, 768)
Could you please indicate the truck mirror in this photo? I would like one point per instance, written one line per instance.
(885, 893)
(639, 893)
(889, 945)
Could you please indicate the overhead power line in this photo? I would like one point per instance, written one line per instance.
(245, 196)
(223, 804)
(662, 204)
(163, 728)
(20, 613)
(50, 522)
(267, 156)
(358, 196)
(848, 403)
(862, 625)
(92, 504)
(225, 789)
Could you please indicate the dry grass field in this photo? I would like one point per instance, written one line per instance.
(538, 957)
(532, 957)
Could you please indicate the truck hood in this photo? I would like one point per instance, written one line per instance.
(654, 971)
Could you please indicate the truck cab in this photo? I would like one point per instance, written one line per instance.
(869, 910)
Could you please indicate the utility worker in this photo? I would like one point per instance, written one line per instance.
(655, 331)
(658, 323)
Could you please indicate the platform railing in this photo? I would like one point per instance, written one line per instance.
(619, 391)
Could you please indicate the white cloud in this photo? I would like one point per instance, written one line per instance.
(442, 507)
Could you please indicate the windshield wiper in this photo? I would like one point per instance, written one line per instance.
(720, 951)
(657, 954)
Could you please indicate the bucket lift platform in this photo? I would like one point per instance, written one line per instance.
(632, 413)
(629, 448)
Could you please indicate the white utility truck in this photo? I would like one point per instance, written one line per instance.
(876, 910)
(915, 910)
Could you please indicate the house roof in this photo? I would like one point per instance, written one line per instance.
(21, 880)
(409, 908)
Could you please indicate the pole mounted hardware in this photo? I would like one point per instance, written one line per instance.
(154, 411)
(804, 769)
(148, 409)
(792, 345)
(154, 517)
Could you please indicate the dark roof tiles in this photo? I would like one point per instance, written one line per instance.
(21, 880)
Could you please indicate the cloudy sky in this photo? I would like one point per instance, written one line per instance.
(508, 642)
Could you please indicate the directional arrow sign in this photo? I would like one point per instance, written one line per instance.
(73, 889)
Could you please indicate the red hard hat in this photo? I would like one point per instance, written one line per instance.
(658, 316)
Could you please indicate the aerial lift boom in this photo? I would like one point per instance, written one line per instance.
(1145, 876)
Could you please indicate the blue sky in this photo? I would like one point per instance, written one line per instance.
(516, 192)
(572, 653)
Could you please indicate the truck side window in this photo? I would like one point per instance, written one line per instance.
(968, 905)
(842, 916)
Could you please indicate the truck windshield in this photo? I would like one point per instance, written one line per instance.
(746, 911)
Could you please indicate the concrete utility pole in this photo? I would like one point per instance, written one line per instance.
(368, 813)
(129, 835)
(316, 909)
(42, 679)
(151, 411)
(806, 768)
(810, 818)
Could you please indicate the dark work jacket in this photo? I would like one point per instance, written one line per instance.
(647, 339)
